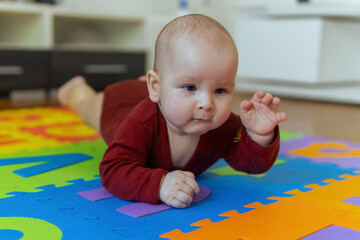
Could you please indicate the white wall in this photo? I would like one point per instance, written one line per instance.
(306, 51)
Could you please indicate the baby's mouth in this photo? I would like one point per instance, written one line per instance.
(202, 119)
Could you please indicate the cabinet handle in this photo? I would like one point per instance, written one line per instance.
(11, 70)
(106, 69)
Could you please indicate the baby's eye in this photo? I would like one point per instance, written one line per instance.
(220, 91)
(190, 88)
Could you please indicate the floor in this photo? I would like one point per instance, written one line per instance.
(335, 121)
(298, 195)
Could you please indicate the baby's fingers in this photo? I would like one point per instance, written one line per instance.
(275, 103)
(258, 96)
(190, 183)
(177, 204)
(267, 99)
(245, 105)
(183, 197)
(189, 174)
(281, 116)
(190, 190)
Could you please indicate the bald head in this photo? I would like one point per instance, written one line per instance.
(200, 30)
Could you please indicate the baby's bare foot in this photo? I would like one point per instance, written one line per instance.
(74, 91)
(142, 78)
(66, 90)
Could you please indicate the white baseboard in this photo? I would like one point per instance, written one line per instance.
(28, 95)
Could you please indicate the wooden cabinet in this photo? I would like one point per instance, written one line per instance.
(23, 69)
(99, 68)
(29, 69)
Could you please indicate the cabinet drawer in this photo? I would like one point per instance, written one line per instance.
(99, 68)
(23, 69)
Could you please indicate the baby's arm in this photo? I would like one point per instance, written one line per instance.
(259, 117)
(177, 189)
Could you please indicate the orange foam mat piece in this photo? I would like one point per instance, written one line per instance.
(288, 218)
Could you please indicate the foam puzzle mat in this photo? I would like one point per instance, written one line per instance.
(50, 189)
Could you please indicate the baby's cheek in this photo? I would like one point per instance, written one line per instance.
(177, 107)
(224, 113)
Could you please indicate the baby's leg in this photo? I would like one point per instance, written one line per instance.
(80, 97)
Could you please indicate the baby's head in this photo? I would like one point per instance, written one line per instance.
(194, 74)
(195, 29)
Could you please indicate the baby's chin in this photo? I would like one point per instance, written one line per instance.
(199, 131)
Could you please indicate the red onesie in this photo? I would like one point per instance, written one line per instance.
(138, 153)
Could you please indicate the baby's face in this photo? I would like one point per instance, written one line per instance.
(196, 87)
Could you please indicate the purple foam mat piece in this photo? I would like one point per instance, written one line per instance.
(286, 146)
(353, 200)
(141, 209)
(306, 141)
(343, 162)
(204, 193)
(334, 232)
(95, 194)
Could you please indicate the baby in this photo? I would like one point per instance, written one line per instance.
(163, 130)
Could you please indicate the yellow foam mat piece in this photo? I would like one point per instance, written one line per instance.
(36, 128)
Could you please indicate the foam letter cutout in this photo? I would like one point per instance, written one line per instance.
(50, 162)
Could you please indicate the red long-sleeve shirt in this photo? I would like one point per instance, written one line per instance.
(138, 154)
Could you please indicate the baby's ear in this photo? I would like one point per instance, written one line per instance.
(153, 84)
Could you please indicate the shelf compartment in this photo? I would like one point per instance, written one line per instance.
(23, 30)
(96, 32)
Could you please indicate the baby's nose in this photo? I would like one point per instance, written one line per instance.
(205, 103)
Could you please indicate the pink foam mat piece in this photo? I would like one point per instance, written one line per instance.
(141, 209)
(95, 194)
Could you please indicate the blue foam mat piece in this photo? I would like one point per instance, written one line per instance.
(77, 216)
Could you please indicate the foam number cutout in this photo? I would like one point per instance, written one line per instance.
(31, 228)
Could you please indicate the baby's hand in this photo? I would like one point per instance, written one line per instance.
(178, 188)
(259, 116)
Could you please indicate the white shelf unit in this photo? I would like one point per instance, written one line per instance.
(22, 27)
(91, 31)
(33, 26)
